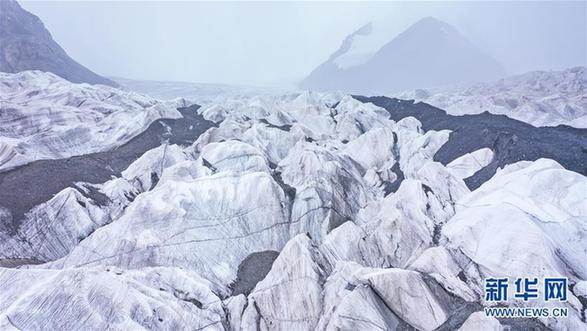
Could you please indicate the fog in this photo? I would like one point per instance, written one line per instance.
(279, 43)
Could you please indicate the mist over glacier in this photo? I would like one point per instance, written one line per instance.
(391, 192)
(248, 43)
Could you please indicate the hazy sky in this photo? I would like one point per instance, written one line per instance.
(262, 43)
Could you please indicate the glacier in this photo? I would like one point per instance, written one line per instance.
(540, 98)
(47, 117)
(309, 211)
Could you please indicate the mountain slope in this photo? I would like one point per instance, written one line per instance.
(429, 53)
(540, 98)
(25, 44)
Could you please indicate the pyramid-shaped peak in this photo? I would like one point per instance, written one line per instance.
(431, 24)
(429, 53)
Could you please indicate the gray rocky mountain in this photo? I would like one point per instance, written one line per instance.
(25, 44)
(429, 53)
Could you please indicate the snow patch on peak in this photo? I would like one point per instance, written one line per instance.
(358, 47)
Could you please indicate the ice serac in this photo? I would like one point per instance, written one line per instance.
(468, 164)
(25, 44)
(224, 214)
(541, 199)
(429, 53)
(271, 305)
(438, 263)
(47, 117)
(510, 140)
(402, 290)
(328, 188)
(306, 212)
(344, 292)
(52, 229)
(104, 297)
(79, 133)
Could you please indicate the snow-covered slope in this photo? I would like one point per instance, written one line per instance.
(43, 116)
(308, 212)
(541, 98)
(429, 53)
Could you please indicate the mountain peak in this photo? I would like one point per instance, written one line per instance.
(431, 21)
(429, 53)
(429, 28)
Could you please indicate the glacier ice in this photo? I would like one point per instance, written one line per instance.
(298, 182)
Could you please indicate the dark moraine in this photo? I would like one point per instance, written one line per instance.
(26, 186)
(285, 127)
(252, 270)
(510, 140)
